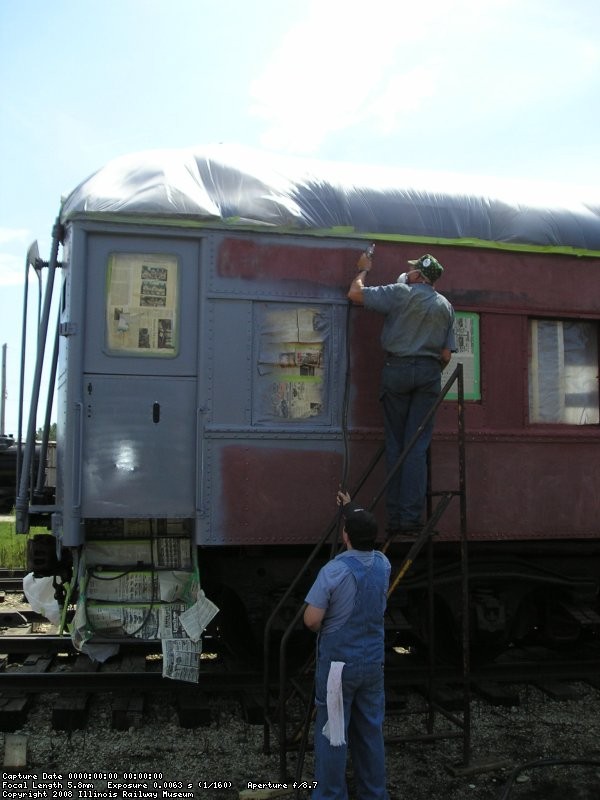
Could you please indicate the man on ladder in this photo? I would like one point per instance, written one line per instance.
(418, 338)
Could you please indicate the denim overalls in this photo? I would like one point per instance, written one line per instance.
(359, 643)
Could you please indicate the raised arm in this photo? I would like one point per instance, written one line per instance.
(355, 292)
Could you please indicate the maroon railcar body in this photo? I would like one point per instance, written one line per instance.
(526, 480)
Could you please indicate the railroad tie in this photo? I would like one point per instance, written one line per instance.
(69, 712)
(128, 706)
(15, 703)
(193, 710)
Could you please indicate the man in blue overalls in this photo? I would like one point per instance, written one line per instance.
(346, 605)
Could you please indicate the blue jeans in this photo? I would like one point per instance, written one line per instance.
(409, 389)
(364, 710)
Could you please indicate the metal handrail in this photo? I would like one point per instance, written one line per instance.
(331, 527)
(22, 500)
(455, 377)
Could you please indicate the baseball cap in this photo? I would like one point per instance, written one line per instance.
(428, 266)
(360, 524)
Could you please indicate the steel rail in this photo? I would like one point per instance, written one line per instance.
(402, 671)
(104, 681)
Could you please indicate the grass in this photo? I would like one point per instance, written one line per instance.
(13, 546)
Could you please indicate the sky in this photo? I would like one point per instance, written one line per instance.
(498, 88)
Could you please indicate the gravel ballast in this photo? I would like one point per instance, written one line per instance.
(229, 751)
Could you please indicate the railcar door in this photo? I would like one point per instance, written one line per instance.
(138, 446)
(138, 383)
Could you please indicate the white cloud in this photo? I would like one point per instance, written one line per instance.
(322, 73)
(13, 235)
(378, 65)
(348, 64)
(402, 96)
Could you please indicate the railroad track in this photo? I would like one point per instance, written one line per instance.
(37, 664)
(43, 672)
(130, 710)
(520, 665)
(33, 665)
(49, 663)
(11, 580)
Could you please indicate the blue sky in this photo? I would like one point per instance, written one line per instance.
(501, 88)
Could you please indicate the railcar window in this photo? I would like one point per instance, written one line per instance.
(142, 304)
(291, 378)
(563, 372)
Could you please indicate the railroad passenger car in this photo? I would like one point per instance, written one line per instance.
(215, 387)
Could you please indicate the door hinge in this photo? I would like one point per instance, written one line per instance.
(67, 328)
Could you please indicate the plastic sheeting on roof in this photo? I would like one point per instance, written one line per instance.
(238, 187)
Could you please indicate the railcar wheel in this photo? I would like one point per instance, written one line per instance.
(447, 640)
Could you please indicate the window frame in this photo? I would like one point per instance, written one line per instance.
(564, 423)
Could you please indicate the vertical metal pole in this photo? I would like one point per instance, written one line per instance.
(22, 504)
(430, 609)
(3, 390)
(41, 473)
(32, 257)
(464, 560)
(431, 614)
(283, 693)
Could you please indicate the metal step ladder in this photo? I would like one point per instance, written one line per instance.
(295, 687)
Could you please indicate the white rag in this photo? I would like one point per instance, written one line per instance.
(334, 728)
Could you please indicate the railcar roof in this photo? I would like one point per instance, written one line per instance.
(238, 188)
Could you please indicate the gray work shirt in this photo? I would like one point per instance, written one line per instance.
(418, 320)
